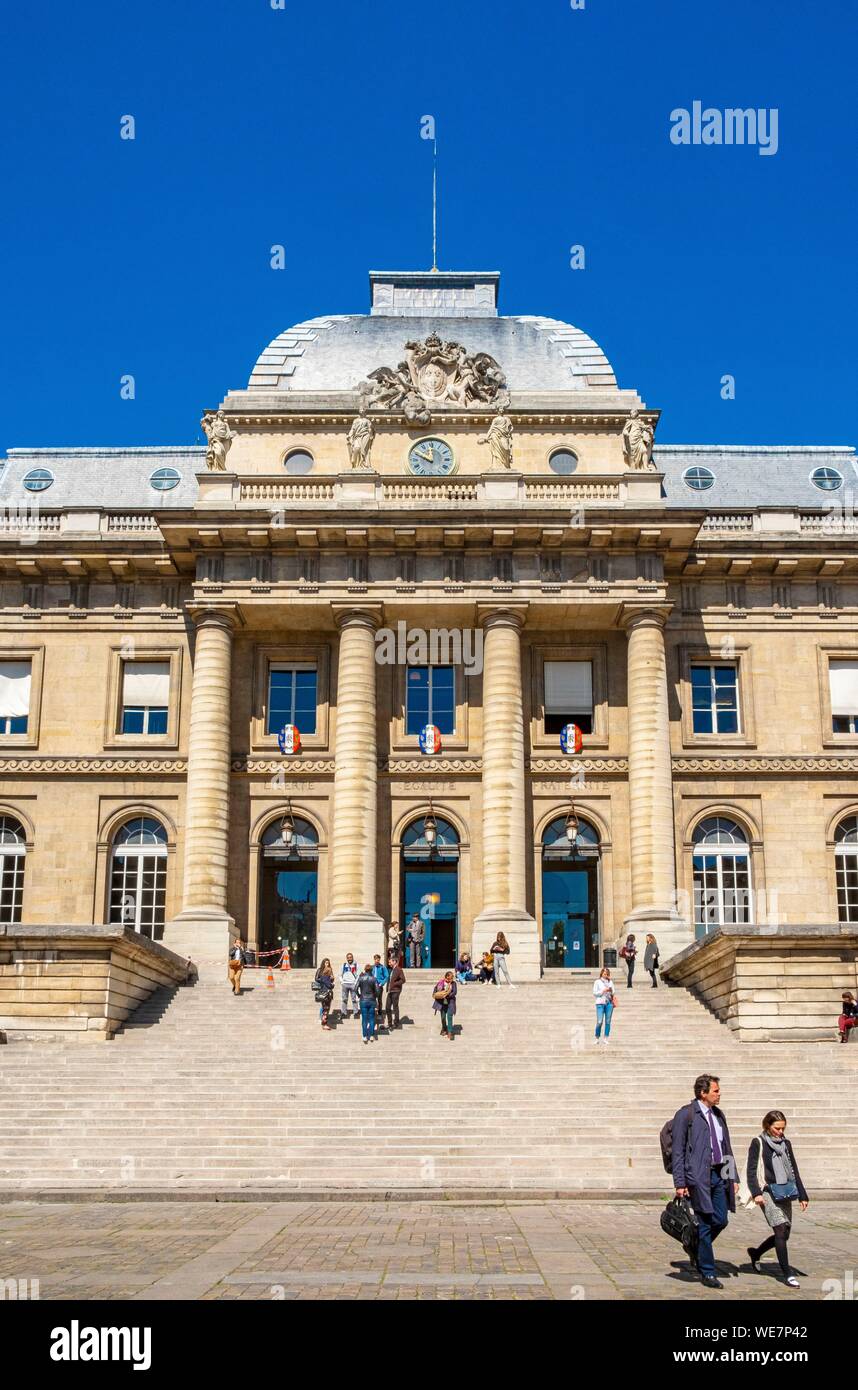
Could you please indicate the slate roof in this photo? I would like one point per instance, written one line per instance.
(764, 476)
(117, 479)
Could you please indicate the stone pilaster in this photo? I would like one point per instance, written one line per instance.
(651, 828)
(503, 790)
(353, 924)
(201, 930)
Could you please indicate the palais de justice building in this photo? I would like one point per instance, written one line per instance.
(429, 515)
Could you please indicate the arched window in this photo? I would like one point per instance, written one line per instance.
(444, 844)
(846, 861)
(302, 843)
(722, 875)
(557, 845)
(13, 849)
(138, 876)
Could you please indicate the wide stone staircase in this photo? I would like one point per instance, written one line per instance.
(204, 1092)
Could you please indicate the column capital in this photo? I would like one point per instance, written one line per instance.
(647, 615)
(369, 615)
(224, 615)
(502, 615)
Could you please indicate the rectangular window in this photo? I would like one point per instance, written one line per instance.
(145, 697)
(292, 698)
(843, 683)
(715, 699)
(430, 698)
(568, 695)
(15, 680)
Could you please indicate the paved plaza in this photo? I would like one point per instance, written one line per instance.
(422, 1250)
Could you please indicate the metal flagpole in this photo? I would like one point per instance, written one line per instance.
(435, 204)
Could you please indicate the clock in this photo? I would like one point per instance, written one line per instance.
(431, 457)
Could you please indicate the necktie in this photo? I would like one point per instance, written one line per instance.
(717, 1156)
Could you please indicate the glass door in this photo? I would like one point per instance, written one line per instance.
(570, 924)
(289, 911)
(432, 891)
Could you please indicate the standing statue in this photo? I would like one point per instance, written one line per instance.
(499, 440)
(360, 439)
(220, 437)
(638, 436)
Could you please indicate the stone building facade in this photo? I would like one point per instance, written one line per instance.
(429, 517)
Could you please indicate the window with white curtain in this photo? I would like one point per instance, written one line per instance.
(568, 695)
(145, 697)
(843, 685)
(15, 682)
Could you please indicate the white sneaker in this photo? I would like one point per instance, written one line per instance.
(365, 1041)
(607, 1040)
(793, 1282)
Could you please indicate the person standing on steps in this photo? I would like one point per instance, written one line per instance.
(704, 1169)
(444, 1003)
(348, 982)
(651, 958)
(323, 986)
(416, 936)
(367, 993)
(603, 991)
(236, 965)
(394, 941)
(500, 951)
(382, 975)
(628, 954)
(394, 992)
(774, 1183)
(848, 1014)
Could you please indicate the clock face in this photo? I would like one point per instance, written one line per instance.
(431, 456)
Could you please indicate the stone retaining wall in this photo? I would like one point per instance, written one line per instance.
(770, 984)
(78, 981)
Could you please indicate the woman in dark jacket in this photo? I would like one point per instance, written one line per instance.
(651, 958)
(774, 1182)
(628, 954)
(323, 986)
(444, 996)
(394, 992)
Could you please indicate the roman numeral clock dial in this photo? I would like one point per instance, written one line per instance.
(431, 458)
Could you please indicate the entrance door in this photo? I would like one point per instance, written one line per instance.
(432, 891)
(570, 929)
(288, 916)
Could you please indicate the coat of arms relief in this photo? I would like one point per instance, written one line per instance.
(435, 373)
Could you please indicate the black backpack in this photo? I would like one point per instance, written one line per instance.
(679, 1220)
(665, 1139)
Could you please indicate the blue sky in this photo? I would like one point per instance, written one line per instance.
(300, 126)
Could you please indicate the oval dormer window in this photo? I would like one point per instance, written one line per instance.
(38, 479)
(164, 479)
(698, 479)
(826, 479)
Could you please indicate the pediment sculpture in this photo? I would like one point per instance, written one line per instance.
(435, 373)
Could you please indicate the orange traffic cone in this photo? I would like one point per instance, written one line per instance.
(270, 981)
(285, 963)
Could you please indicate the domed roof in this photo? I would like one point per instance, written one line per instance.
(337, 352)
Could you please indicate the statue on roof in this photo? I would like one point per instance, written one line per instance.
(220, 437)
(436, 373)
(638, 437)
(499, 440)
(360, 440)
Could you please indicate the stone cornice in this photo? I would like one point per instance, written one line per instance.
(411, 767)
(290, 767)
(616, 766)
(96, 765)
(733, 764)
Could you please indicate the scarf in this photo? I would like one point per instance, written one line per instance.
(781, 1166)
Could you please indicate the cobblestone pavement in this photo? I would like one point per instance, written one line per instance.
(377, 1250)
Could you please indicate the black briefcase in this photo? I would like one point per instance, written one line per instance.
(679, 1220)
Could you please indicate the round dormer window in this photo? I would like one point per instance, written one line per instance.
(826, 479)
(38, 479)
(698, 479)
(164, 479)
(298, 461)
(562, 461)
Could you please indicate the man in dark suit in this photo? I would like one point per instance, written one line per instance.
(704, 1169)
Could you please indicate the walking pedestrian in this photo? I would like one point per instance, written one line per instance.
(367, 993)
(416, 936)
(848, 1014)
(444, 1002)
(348, 982)
(628, 954)
(500, 951)
(774, 1183)
(236, 965)
(651, 958)
(394, 992)
(603, 990)
(704, 1169)
(323, 987)
(382, 975)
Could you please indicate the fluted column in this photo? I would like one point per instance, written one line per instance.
(201, 929)
(503, 792)
(352, 924)
(651, 828)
